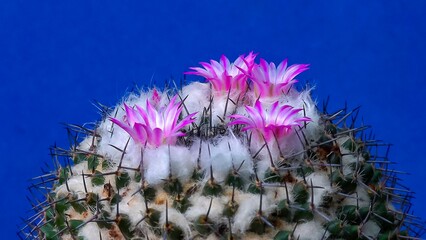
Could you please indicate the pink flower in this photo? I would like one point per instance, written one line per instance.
(224, 75)
(152, 126)
(278, 121)
(270, 81)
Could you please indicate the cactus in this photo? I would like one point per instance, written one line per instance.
(244, 155)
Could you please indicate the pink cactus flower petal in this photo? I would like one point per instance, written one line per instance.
(154, 126)
(131, 115)
(278, 121)
(270, 80)
(126, 127)
(139, 132)
(156, 136)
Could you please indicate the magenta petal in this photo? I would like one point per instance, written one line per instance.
(236, 116)
(255, 116)
(156, 136)
(144, 116)
(216, 84)
(126, 128)
(199, 71)
(246, 128)
(153, 116)
(295, 70)
(186, 121)
(217, 67)
(224, 61)
(245, 121)
(140, 132)
(282, 67)
(171, 113)
(263, 64)
(259, 108)
(131, 115)
(274, 111)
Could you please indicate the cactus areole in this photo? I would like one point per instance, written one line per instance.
(242, 154)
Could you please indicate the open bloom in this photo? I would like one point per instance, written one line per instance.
(269, 80)
(224, 75)
(152, 126)
(277, 122)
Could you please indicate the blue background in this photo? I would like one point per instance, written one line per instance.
(57, 56)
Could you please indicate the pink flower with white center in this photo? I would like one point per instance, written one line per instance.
(224, 75)
(277, 122)
(152, 126)
(270, 81)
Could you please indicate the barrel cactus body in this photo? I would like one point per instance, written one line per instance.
(242, 154)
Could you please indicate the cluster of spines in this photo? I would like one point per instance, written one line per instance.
(390, 202)
(373, 174)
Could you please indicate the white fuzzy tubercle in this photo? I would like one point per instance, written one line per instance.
(310, 231)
